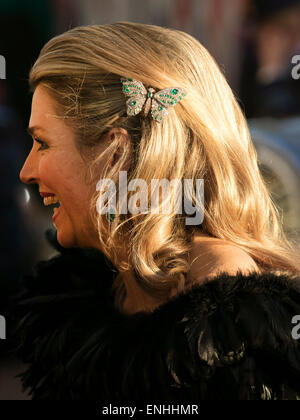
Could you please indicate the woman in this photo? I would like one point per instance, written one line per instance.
(185, 311)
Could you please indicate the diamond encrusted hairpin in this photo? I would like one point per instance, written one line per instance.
(158, 102)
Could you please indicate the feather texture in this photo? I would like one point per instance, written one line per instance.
(229, 338)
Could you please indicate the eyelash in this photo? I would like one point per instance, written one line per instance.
(41, 143)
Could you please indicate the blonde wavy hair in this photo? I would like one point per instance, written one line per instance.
(205, 136)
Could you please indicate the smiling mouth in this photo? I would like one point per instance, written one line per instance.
(53, 199)
(56, 212)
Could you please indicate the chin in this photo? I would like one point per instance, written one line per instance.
(66, 240)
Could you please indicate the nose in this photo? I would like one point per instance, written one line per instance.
(29, 172)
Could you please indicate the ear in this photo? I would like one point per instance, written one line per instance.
(124, 143)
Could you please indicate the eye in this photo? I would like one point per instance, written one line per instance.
(42, 143)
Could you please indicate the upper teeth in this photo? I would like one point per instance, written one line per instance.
(50, 200)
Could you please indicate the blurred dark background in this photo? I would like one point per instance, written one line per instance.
(254, 42)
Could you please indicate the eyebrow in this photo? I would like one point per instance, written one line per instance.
(31, 130)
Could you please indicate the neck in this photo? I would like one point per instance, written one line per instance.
(136, 299)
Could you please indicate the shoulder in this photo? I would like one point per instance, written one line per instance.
(211, 256)
(240, 330)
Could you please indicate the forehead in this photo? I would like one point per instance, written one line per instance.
(44, 114)
(42, 106)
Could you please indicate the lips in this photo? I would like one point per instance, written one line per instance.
(56, 213)
(46, 202)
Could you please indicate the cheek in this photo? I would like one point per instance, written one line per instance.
(70, 185)
(49, 172)
(58, 173)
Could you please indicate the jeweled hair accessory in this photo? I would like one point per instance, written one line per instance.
(158, 102)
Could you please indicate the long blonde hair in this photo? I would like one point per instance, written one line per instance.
(205, 136)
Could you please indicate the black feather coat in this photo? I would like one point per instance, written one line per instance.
(229, 338)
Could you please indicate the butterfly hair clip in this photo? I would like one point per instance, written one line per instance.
(158, 102)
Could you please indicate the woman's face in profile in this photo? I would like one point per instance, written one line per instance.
(57, 167)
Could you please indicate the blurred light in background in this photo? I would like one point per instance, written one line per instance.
(26, 196)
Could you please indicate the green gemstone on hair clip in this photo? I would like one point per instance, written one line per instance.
(110, 217)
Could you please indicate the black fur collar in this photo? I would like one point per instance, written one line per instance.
(229, 338)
